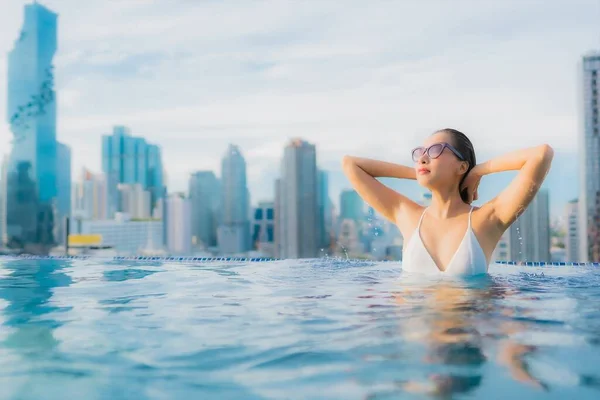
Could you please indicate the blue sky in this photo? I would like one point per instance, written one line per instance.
(366, 78)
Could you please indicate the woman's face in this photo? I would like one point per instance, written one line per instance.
(445, 169)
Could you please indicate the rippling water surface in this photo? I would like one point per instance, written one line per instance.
(322, 329)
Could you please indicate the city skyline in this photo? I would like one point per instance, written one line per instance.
(261, 84)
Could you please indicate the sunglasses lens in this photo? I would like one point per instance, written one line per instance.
(417, 153)
(435, 150)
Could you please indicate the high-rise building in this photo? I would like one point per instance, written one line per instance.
(233, 233)
(179, 229)
(530, 233)
(572, 231)
(155, 182)
(32, 171)
(205, 197)
(134, 200)
(127, 159)
(348, 243)
(263, 228)
(352, 206)
(324, 205)
(589, 197)
(297, 202)
(502, 250)
(277, 224)
(63, 182)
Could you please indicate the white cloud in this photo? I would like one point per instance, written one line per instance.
(353, 77)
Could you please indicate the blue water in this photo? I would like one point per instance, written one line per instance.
(294, 330)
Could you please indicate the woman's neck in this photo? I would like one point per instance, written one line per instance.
(446, 205)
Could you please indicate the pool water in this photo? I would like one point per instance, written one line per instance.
(312, 329)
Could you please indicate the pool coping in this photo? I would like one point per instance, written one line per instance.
(260, 259)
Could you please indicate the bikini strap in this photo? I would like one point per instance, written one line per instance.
(421, 219)
(470, 212)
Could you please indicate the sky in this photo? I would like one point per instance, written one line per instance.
(371, 79)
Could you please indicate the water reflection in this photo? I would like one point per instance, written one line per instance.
(449, 320)
(26, 287)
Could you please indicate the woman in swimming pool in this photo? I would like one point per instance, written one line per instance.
(450, 235)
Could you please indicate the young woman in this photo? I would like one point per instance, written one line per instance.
(450, 235)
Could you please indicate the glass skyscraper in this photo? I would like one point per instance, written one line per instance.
(234, 230)
(129, 159)
(205, 196)
(297, 202)
(32, 172)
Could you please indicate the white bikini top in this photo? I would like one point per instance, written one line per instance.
(469, 258)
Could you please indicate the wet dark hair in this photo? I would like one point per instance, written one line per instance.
(462, 143)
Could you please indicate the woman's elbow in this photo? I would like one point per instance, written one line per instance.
(546, 153)
(347, 161)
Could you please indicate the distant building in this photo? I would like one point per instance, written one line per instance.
(352, 206)
(589, 197)
(134, 200)
(127, 159)
(348, 240)
(179, 228)
(572, 232)
(128, 238)
(324, 220)
(297, 202)
(233, 233)
(530, 233)
(89, 196)
(32, 187)
(263, 229)
(63, 182)
(502, 251)
(205, 197)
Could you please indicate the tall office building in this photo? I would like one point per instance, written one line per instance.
(297, 202)
(572, 231)
(155, 182)
(233, 233)
(134, 200)
(127, 159)
(179, 215)
(63, 183)
(277, 225)
(324, 205)
(205, 196)
(530, 233)
(589, 197)
(32, 171)
(348, 243)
